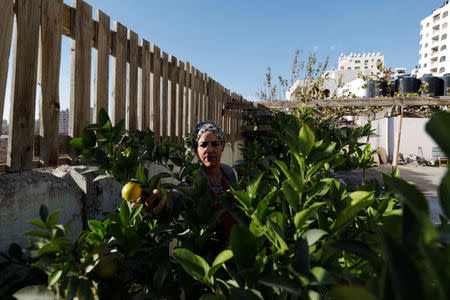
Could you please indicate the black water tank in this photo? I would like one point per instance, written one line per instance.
(407, 84)
(446, 79)
(377, 88)
(435, 85)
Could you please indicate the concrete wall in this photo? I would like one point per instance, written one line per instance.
(414, 139)
(75, 195)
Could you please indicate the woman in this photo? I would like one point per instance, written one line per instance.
(208, 145)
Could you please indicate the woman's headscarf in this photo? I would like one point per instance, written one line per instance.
(204, 126)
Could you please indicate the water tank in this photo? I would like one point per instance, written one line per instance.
(446, 79)
(407, 84)
(435, 85)
(377, 88)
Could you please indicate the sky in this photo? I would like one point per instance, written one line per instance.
(234, 41)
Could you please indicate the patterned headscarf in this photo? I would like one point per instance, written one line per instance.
(204, 126)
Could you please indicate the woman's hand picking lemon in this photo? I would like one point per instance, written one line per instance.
(131, 191)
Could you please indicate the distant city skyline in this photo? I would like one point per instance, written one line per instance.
(235, 41)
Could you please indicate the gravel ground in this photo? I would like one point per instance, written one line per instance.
(426, 179)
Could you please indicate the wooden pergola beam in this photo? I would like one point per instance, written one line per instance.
(365, 102)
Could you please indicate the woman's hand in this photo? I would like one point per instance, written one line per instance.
(150, 205)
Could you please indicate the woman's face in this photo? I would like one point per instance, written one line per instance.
(209, 149)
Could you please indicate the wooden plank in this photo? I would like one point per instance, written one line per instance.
(255, 128)
(173, 76)
(156, 95)
(23, 85)
(6, 25)
(119, 71)
(144, 84)
(181, 114)
(132, 80)
(194, 98)
(399, 135)
(165, 96)
(101, 64)
(80, 79)
(365, 102)
(188, 107)
(48, 78)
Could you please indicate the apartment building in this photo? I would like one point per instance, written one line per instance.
(434, 35)
(356, 61)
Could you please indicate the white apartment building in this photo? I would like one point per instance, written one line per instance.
(356, 61)
(434, 35)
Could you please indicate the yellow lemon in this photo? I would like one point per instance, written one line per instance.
(131, 191)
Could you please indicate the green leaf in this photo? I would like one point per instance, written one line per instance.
(43, 212)
(351, 293)
(52, 219)
(38, 233)
(439, 127)
(54, 277)
(89, 138)
(244, 245)
(252, 187)
(195, 265)
(322, 276)
(356, 247)
(220, 259)
(102, 117)
(306, 139)
(140, 175)
(359, 200)
(262, 205)
(243, 198)
(301, 217)
(281, 282)
(135, 212)
(212, 297)
(34, 292)
(313, 235)
(48, 248)
(96, 226)
(292, 197)
(444, 194)
(125, 213)
(77, 143)
(38, 223)
(416, 202)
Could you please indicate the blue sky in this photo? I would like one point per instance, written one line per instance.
(234, 41)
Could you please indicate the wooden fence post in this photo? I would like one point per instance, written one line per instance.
(165, 96)
(131, 112)
(6, 25)
(48, 78)
(23, 83)
(144, 84)
(173, 74)
(188, 110)
(180, 103)
(119, 69)
(156, 92)
(101, 56)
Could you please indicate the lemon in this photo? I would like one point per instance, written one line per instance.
(107, 267)
(131, 191)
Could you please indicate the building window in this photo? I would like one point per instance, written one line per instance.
(378, 60)
(445, 14)
(425, 55)
(366, 67)
(342, 68)
(442, 70)
(442, 59)
(426, 45)
(424, 65)
(443, 47)
(349, 68)
(444, 25)
(357, 68)
(428, 24)
(444, 36)
(357, 61)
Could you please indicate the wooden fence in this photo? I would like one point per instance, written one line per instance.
(170, 96)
